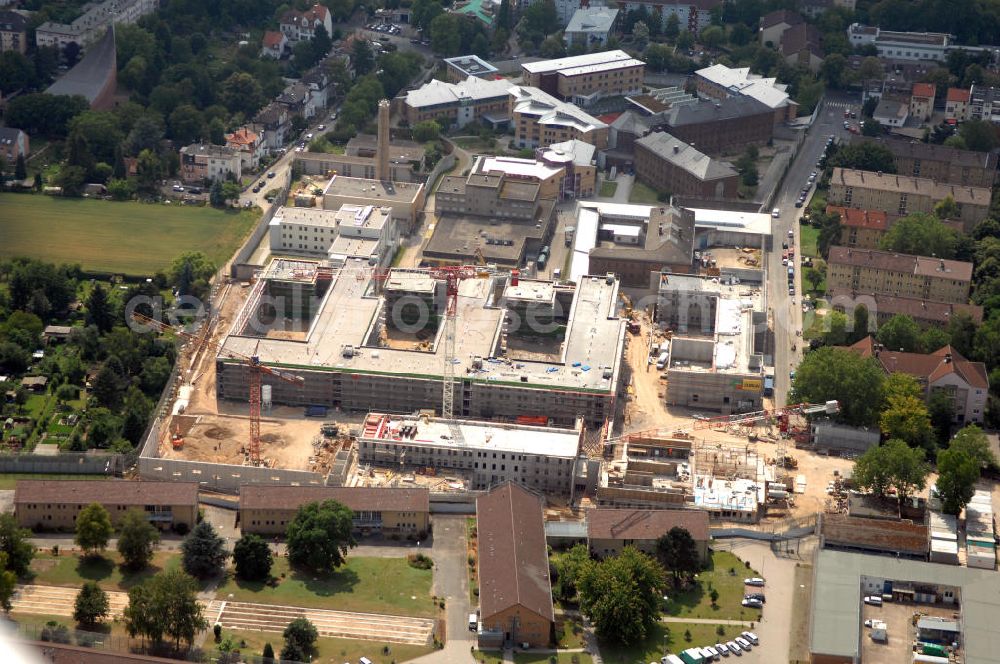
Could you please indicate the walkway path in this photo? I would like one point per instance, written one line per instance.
(705, 621)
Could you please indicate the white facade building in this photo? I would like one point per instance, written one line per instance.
(93, 22)
(354, 231)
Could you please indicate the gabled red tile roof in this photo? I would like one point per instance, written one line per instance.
(242, 136)
(272, 39)
(958, 94)
(927, 367)
(856, 218)
(923, 90)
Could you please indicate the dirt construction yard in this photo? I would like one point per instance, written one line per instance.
(57, 601)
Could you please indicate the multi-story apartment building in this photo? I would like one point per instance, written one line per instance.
(540, 120)
(471, 100)
(922, 101)
(671, 165)
(956, 105)
(984, 103)
(272, 122)
(354, 231)
(487, 453)
(902, 194)
(55, 504)
(939, 162)
(566, 8)
(201, 162)
(267, 510)
(884, 307)
(944, 371)
(860, 229)
(93, 23)
(721, 82)
(889, 273)
(584, 79)
(692, 15)
(299, 26)
(13, 32)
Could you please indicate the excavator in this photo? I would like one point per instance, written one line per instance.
(632, 325)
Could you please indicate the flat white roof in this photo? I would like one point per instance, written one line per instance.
(756, 223)
(516, 438)
(716, 493)
(560, 64)
(472, 89)
(584, 239)
(526, 168)
(592, 19)
(603, 66)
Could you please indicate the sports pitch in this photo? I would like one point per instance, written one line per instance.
(120, 238)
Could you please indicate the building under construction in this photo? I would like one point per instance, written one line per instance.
(364, 340)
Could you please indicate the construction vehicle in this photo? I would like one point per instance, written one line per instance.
(256, 371)
(632, 325)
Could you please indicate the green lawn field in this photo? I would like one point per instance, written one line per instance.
(72, 569)
(369, 585)
(126, 238)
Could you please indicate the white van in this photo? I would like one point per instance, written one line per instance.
(557, 273)
(661, 361)
(473, 622)
(776, 212)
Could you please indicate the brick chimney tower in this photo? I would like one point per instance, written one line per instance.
(382, 149)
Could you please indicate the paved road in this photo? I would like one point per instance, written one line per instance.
(786, 311)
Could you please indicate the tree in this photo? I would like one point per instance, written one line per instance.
(166, 605)
(120, 189)
(44, 114)
(203, 552)
(567, 568)
(640, 32)
(713, 36)
(840, 374)
(922, 235)
(892, 464)
(268, 652)
(99, 309)
(941, 411)
(906, 418)
(66, 393)
(8, 583)
(899, 333)
(622, 595)
(678, 553)
(898, 385)
(91, 606)
(320, 535)
(979, 135)
(137, 540)
(861, 323)
(871, 127)
(106, 390)
(149, 170)
(832, 70)
(814, 277)
(215, 195)
(446, 35)
(425, 131)
(672, 28)
(300, 640)
(241, 93)
(190, 272)
(958, 473)
(253, 558)
(868, 156)
(947, 208)
(362, 57)
(20, 169)
(971, 440)
(93, 529)
(15, 543)
(870, 68)
(136, 411)
(71, 179)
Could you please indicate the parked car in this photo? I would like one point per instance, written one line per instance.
(757, 596)
(752, 604)
(723, 650)
(322, 127)
(271, 175)
(754, 581)
(743, 643)
(733, 648)
(751, 637)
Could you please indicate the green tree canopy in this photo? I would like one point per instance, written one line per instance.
(137, 540)
(8, 583)
(893, 464)
(866, 156)
(91, 606)
(300, 641)
(922, 235)
(901, 385)
(566, 571)
(15, 542)
(907, 418)
(678, 553)
(622, 595)
(93, 529)
(958, 473)
(899, 333)
(204, 552)
(320, 535)
(973, 441)
(166, 605)
(252, 557)
(838, 374)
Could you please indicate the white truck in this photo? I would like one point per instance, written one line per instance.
(879, 632)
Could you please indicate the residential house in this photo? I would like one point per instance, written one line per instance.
(670, 165)
(860, 229)
(274, 44)
(956, 105)
(890, 112)
(471, 100)
(540, 120)
(249, 144)
(922, 101)
(302, 26)
(14, 142)
(610, 530)
(35, 383)
(273, 122)
(55, 504)
(945, 370)
(202, 162)
(515, 593)
(267, 510)
(902, 194)
(590, 27)
(800, 47)
(298, 100)
(13, 32)
(889, 273)
(774, 24)
(320, 85)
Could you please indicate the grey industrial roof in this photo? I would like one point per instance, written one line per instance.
(686, 157)
(592, 19)
(707, 111)
(89, 77)
(836, 604)
(932, 152)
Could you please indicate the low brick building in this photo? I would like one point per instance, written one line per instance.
(611, 530)
(671, 165)
(267, 510)
(55, 504)
(515, 593)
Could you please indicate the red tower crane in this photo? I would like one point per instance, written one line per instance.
(256, 371)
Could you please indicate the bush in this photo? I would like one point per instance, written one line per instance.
(217, 631)
(181, 529)
(419, 561)
(55, 632)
